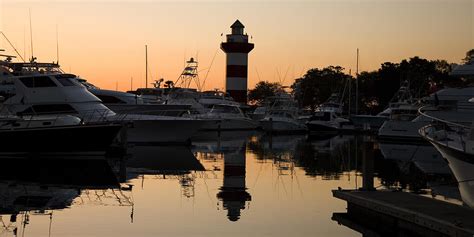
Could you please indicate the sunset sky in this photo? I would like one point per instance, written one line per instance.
(104, 40)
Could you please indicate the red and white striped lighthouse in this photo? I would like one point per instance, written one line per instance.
(237, 48)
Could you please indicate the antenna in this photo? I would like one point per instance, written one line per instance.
(31, 36)
(131, 83)
(284, 77)
(146, 66)
(57, 45)
(258, 74)
(212, 62)
(24, 42)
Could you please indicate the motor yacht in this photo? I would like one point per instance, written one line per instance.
(211, 98)
(282, 121)
(39, 88)
(327, 121)
(227, 117)
(328, 117)
(402, 98)
(127, 103)
(64, 133)
(449, 104)
(261, 111)
(55, 134)
(456, 145)
(282, 116)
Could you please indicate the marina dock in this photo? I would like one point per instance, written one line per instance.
(406, 213)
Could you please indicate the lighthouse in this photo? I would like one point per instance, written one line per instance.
(237, 48)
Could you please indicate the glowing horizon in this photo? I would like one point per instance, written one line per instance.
(104, 41)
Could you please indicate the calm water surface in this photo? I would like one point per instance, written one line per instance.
(243, 184)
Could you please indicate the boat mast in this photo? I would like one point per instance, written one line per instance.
(357, 84)
(146, 66)
(57, 45)
(350, 92)
(31, 37)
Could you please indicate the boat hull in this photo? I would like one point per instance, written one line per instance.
(150, 109)
(320, 127)
(462, 166)
(401, 131)
(165, 131)
(282, 126)
(80, 138)
(231, 124)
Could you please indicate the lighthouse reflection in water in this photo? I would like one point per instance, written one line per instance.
(233, 193)
(224, 184)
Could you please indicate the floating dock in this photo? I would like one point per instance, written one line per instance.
(406, 213)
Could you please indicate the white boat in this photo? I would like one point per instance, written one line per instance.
(448, 104)
(211, 98)
(282, 116)
(49, 91)
(327, 121)
(455, 143)
(425, 157)
(261, 111)
(332, 104)
(127, 103)
(327, 117)
(227, 117)
(188, 97)
(64, 133)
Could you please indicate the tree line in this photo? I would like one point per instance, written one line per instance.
(375, 88)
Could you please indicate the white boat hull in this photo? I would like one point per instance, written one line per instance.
(172, 131)
(462, 166)
(231, 124)
(401, 130)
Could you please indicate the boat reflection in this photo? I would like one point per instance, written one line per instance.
(164, 162)
(328, 156)
(417, 169)
(31, 187)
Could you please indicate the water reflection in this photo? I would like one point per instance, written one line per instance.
(164, 162)
(231, 147)
(417, 168)
(215, 181)
(38, 186)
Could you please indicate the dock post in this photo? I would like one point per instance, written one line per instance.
(367, 166)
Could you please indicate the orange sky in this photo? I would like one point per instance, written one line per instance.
(103, 41)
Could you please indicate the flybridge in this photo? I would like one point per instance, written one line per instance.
(22, 67)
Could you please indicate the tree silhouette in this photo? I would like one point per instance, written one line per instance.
(317, 85)
(469, 56)
(264, 90)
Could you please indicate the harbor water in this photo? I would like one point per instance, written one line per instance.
(226, 184)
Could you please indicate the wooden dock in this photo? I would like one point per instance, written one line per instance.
(419, 215)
